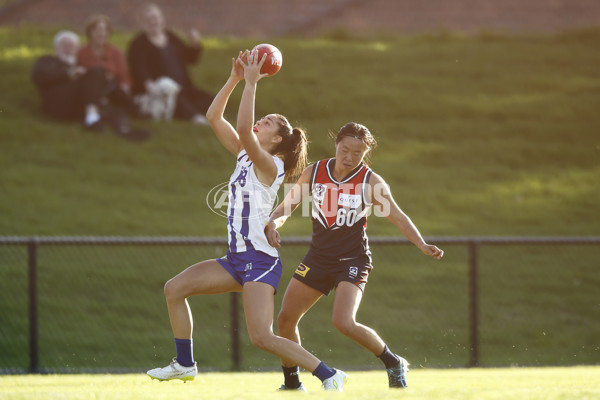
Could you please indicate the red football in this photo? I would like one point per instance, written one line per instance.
(273, 61)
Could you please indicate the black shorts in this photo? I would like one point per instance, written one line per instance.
(324, 274)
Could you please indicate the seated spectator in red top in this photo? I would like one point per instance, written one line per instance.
(99, 52)
(158, 60)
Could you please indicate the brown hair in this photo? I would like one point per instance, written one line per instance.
(95, 20)
(293, 148)
(357, 131)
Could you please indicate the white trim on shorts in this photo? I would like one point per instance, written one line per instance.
(266, 272)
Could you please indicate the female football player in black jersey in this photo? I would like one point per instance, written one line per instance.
(343, 190)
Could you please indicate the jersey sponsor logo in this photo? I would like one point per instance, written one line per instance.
(353, 272)
(349, 200)
(302, 270)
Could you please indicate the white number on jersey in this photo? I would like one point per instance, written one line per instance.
(345, 217)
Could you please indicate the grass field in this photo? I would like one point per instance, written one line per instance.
(581, 383)
(479, 135)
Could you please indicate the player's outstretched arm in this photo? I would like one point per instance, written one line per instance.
(264, 166)
(283, 211)
(224, 131)
(386, 205)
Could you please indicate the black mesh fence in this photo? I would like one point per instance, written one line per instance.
(97, 305)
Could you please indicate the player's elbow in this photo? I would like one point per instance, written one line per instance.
(213, 116)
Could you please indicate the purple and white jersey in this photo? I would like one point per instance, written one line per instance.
(250, 204)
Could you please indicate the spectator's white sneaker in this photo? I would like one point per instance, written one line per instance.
(336, 382)
(174, 371)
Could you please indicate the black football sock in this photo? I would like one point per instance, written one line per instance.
(389, 358)
(291, 376)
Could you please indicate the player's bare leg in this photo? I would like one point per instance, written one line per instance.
(297, 300)
(207, 277)
(259, 309)
(345, 306)
(347, 301)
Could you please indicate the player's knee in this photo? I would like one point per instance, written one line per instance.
(344, 325)
(285, 324)
(170, 290)
(262, 340)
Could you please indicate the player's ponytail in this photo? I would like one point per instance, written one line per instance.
(293, 149)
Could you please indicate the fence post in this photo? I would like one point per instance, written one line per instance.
(235, 332)
(33, 312)
(474, 303)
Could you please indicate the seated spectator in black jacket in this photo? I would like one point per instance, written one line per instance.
(70, 92)
(158, 61)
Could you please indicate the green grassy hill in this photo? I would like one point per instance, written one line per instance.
(478, 135)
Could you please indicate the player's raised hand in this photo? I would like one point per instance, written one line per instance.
(252, 68)
(432, 250)
(237, 67)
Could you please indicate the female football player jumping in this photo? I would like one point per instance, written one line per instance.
(343, 190)
(267, 152)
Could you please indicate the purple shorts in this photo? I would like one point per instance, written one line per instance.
(253, 266)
